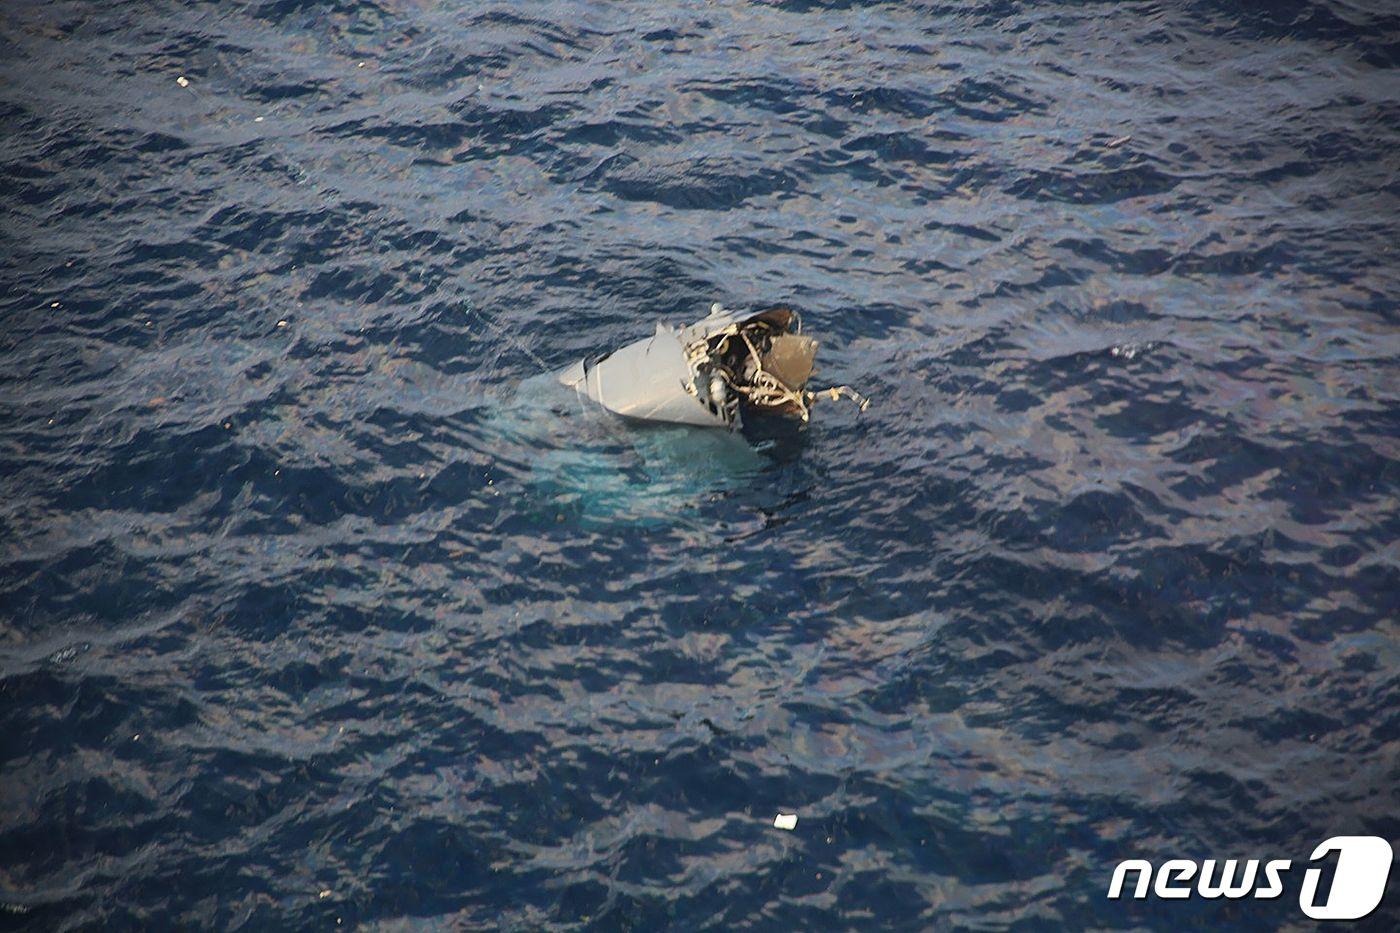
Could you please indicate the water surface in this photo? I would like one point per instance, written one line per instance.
(310, 614)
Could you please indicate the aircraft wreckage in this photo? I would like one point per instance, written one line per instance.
(710, 373)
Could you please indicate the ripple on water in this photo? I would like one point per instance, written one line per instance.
(323, 604)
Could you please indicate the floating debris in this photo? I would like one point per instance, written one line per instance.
(710, 373)
(1115, 143)
(182, 81)
(1129, 351)
(785, 821)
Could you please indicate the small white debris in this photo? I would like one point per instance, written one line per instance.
(182, 81)
(325, 894)
(136, 737)
(53, 304)
(257, 119)
(281, 323)
(360, 65)
(1115, 143)
(785, 821)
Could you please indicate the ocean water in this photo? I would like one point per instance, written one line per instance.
(320, 610)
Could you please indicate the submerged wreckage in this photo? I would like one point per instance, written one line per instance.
(709, 373)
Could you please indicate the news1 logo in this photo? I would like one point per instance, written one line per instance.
(1358, 884)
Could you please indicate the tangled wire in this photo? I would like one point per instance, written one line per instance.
(761, 388)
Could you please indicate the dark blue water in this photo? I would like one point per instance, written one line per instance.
(313, 614)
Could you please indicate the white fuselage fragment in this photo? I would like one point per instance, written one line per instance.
(663, 378)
